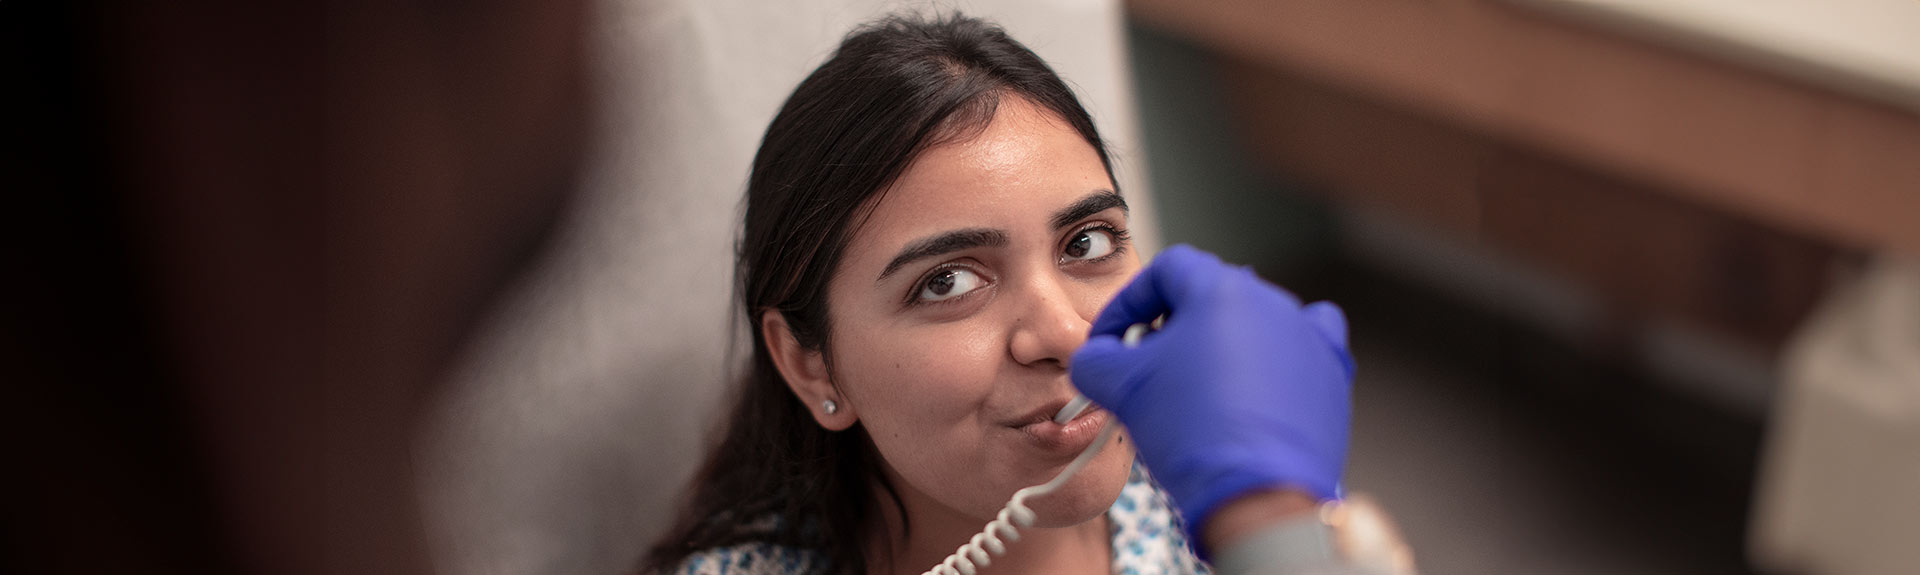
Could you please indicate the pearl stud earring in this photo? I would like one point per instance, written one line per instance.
(830, 406)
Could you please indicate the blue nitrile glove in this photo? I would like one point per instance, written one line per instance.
(1241, 389)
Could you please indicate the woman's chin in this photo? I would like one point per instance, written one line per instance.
(1088, 495)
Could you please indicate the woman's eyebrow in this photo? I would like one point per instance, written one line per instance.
(943, 244)
(1096, 202)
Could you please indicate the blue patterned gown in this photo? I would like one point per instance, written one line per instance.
(1147, 540)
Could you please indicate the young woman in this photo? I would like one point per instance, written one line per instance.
(932, 224)
(933, 238)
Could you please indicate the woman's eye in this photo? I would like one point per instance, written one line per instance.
(948, 284)
(1090, 245)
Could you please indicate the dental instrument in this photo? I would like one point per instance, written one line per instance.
(1080, 402)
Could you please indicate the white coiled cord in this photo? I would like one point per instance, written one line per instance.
(975, 554)
(968, 558)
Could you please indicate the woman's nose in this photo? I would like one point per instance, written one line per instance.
(1049, 327)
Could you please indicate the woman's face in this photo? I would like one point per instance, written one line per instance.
(958, 306)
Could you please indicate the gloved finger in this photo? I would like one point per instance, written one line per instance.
(1327, 317)
(1103, 369)
(1173, 277)
(1286, 297)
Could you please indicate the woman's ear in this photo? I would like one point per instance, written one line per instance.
(805, 371)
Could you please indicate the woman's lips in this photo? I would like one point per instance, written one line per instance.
(1071, 437)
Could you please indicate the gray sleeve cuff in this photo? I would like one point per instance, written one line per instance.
(1300, 546)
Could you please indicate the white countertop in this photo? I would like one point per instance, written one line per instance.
(1870, 48)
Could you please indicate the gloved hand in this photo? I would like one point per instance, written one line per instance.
(1241, 389)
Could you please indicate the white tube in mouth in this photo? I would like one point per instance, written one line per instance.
(1079, 403)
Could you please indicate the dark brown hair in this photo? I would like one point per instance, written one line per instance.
(894, 88)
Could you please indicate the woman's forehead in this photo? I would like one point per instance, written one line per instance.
(1020, 170)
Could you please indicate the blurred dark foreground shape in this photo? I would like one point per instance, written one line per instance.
(254, 234)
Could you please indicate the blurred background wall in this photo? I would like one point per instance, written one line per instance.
(1583, 245)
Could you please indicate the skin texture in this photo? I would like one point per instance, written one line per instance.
(942, 387)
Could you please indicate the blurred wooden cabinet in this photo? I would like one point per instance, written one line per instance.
(1672, 184)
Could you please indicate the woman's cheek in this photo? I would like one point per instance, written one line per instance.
(1109, 286)
(946, 372)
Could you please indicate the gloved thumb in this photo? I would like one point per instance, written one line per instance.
(1327, 319)
(1104, 370)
